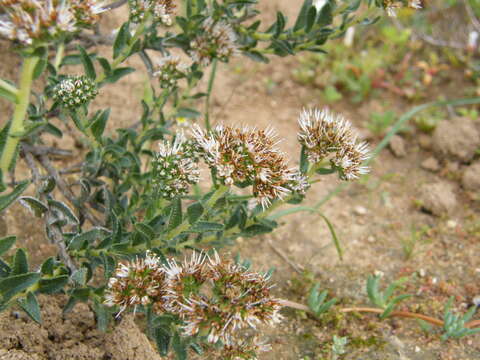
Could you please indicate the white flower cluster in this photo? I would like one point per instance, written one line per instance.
(169, 70)
(74, 91)
(323, 133)
(175, 168)
(216, 40)
(217, 298)
(391, 6)
(161, 10)
(30, 21)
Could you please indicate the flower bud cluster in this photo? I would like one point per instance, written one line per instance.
(30, 21)
(161, 10)
(74, 91)
(391, 6)
(175, 168)
(140, 282)
(213, 297)
(169, 70)
(245, 156)
(323, 133)
(216, 40)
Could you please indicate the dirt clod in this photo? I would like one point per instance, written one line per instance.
(471, 177)
(438, 198)
(457, 138)
(430, 164)
(70, 337)
(397, 146)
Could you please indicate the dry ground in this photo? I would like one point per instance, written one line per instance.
(374, 219)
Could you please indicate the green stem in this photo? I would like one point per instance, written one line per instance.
(209, 92)
(8, 87)
(16, 126)
(59, 56)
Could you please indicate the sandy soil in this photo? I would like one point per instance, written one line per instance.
(374, 219)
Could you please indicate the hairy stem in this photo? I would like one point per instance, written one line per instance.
(19, 114)
(211, 80)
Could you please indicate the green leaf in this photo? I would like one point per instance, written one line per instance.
(102, 315)
(117, 74)
(145, 230)
(256, 229)
(179, 347)
(121, 40)
(13, 285)
(194, 212)
(6, 243)
(98, 125)
(52, 285)
(80, 276)
(87, 63)
(302, 16)
(7, 200)
(310, 21)
(20, 262)
(175, 214)
(325, 171)
(89, 236)
(325, 17)
(205, 226)
(31, 307)
(162, 339)
(63, 211)
(48, 185)
(188, 113)
(35, 206)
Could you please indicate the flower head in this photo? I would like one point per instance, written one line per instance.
(327, 135)
(169, 69)
(30, 21)
(175, 168)
(161, 10)
(246, 156)
(141, 281)
(74, 91)
(216, 40)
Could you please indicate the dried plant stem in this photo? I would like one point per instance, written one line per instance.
(55, 230)
(404, 314)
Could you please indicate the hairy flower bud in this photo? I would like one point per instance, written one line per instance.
(161, 10)
(31, 21)
(139, 282)
(324, 134)
(74, 91)
(216, 40)
(169, 69)
(246, 157)
(175, 168)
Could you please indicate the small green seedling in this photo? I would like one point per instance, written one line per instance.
(316, 301)
(454, 325)
(385, 299)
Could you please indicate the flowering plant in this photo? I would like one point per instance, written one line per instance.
(140, 200)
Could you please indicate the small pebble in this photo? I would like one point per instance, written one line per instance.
(434, 280)
(371, 239)
(430, 164)
(476, 301)
(417, 349)
(360, 210)
(422, 272)
(452, 224)
(379, 273)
